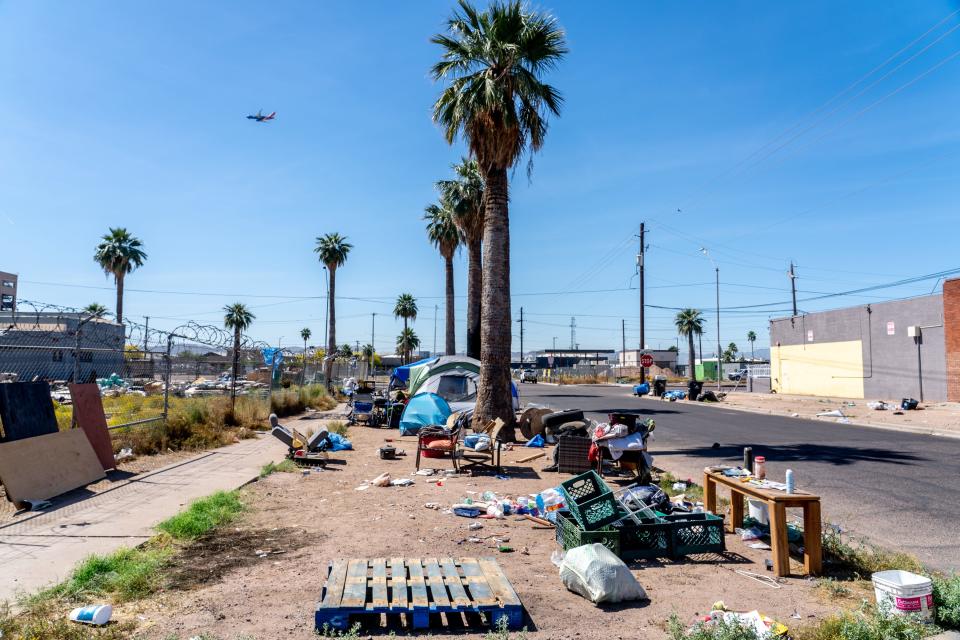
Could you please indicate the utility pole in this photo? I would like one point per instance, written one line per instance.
(623, 344)
(146, 335)
(793, 287)
(373, 328)
(573, 333)
(719, 366)
(640, 270)
(554, 343)
(521, 337)
(436, 312)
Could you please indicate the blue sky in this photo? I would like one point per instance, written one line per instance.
(132, 114)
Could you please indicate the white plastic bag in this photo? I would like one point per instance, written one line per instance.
(594, 572)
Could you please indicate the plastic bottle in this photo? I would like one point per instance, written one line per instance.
(790, 482)
(95, 614)
(760, 467)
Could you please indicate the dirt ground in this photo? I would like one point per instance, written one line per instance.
(935, 418)
(264, 578)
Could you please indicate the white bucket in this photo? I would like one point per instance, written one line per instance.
(904, 593)
(758, 511)
(95, 614)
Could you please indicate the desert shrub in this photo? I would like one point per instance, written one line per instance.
(946, 596)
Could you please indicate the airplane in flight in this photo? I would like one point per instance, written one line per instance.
(259, 117)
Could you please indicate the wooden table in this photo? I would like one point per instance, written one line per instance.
(777, 504)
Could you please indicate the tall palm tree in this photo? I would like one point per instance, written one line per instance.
(367, 351)
(497, 101)
(445, 236)
(689, 323)
(465, 195)
(731, 353)
(751, 338)
(95, 310)
(405, 308)
(118, 254)
(332, 250)
(407, 341)
(305, 333)
(239, 318)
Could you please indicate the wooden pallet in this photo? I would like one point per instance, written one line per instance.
(417, 588)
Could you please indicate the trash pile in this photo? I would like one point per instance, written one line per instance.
(202, 387)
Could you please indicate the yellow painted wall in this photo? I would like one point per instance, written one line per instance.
(818, 369)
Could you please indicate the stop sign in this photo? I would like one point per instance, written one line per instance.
(646, 360)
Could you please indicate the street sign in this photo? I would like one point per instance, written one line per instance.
(646, 360)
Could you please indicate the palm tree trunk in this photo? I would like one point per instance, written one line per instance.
(119, 278)
(332, 340)
(692, 360)
(494, 399)
(406, 346)
(236, 366)
(474, 289)
(451, 324)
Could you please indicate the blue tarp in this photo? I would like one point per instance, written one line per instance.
(423, 410)
(642, 389)
(339, 443)
(402, 374)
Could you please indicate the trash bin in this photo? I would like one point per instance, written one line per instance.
(694, 387)
(659, 386)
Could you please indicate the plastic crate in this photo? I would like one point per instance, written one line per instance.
(651, 539)
(572, 452)
(570, 535)
(696, 533)
(590, 501)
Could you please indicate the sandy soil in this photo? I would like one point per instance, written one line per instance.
(300, 522)
(936, 418)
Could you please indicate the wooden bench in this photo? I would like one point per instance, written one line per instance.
(777, 504)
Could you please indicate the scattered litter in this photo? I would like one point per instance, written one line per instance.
(909, 404)
(794, 415)
(466, 512)
(95, 614)
(505, 549)
(594, 572)
(679, 486)
(37, 505)
(402, 482)
(425, 472)
(433, 505)
(878, 406)
(536, 441)
(125, 453)
(362, 487)
(382, 480)
(843, 420)
(759, 545)
(836, 413)
(475, 525)
(766, 580)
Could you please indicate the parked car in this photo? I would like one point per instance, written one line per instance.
(528, 375)
(738, 375)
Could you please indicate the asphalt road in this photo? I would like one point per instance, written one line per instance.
(900, 490)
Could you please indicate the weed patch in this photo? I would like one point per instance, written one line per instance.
(203, 515)
(284, 466)
(869, 623)
(340, 428)
(946, 596)
(719, 631)
(859, 559)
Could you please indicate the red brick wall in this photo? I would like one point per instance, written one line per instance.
(951, 336)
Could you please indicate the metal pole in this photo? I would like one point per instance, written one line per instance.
(623, 344)
(166, 381)
(918, 340)
(373, 327)
(521, 337)
(719, 366)
(436, 312)
(640, 257)
(793, 287)
(146, 334)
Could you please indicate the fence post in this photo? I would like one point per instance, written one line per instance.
(76, 351)
(166, 380)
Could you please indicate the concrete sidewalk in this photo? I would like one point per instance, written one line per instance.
(38, 549)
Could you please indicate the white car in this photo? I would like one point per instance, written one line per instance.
(528, 375)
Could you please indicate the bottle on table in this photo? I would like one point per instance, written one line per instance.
(760, 467)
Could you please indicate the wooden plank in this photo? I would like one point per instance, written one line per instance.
(476, 583)
(26, 411)
(42, 467)
(88, 412)
(736, 510)
(418, 588)
(778, 538)
(333, 590)
(812, 551)
(398, 584)
(498, 582)
(355, 590)
(451, 577)
(756, 492)
(709, 493)
(435, 581)
(378, 584)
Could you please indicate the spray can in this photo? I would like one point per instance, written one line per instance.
(790, 484)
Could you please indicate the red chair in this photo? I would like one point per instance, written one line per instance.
(437, 442)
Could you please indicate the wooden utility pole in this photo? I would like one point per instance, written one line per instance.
(793, 287)
(640, 270)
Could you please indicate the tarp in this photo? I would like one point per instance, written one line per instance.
(444, 376)
(423, 410)
(402, 374)
(445, 364)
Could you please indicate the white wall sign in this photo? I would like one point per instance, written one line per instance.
(809, 335)
(891, 328)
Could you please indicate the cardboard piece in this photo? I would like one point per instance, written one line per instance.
(26, 410)
(88, 411)
(46, 466)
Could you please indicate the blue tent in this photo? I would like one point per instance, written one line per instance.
(423, 410)
(402, 374)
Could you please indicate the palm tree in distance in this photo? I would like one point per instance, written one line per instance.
(407, 341)
(305, 333)
(445, 236)
(689, 323)
(332, 250)
(731, 352)
(406, 308)
(465, 195)
(367, 351)
(496, 100)
(239, 318)
(118, 254)
(95, 310)
(751, 338)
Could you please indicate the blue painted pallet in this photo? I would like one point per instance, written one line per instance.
(417, 588)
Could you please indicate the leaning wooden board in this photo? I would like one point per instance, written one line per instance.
(88, 410)
(45, 466)
(417, 588)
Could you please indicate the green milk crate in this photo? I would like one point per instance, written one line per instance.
(570, 535)
(590, 501)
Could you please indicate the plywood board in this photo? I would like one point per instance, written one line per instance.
(46, 466)
(88, 410)
(26, 410)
